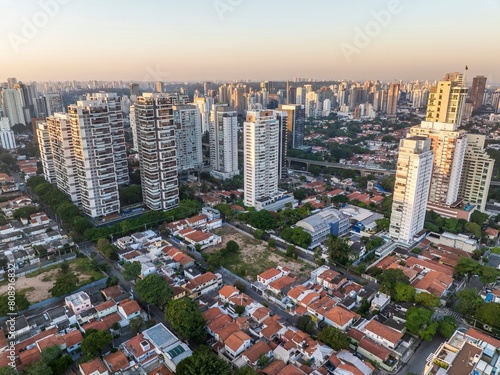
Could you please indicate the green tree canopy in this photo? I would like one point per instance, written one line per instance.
(338, 250)
(50, 354)
(390, 277)
(334, 338)
(473, 229)
(489, 313)
(427, 300)
(131, 270)
(20, 300)
(154, 289)
(7, 370)
(203, 362)
(186, 318)
(447, 327)
(478, 217)
(299, 194)
(417, 318)
(24, 212)
(469, 301)
(488, 274)
(94, 342)
(404, 292)
(467, 266)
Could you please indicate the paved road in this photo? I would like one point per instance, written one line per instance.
(416, 363)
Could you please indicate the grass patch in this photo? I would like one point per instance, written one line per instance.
(82, 266)
(42, 270)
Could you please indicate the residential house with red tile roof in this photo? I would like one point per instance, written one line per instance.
(237, 343)
(340, 317)
(93, 367)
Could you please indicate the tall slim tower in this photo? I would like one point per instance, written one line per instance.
(188, 137)
(476, 172)
(411, 189)
(154, 116)
(446, 100)
(7, 139)
(296, 119)
(392, 100)
(46, 156)
(477, 92)
(282, 117)
(261, 155)
(223, 133)
(12, 106)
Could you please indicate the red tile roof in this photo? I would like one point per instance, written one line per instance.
(93, 366)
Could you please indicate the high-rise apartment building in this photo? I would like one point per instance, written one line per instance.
(296, 119)
(411, 189)
(204, 106)
(95, 132)
(134, 89)
(449, 146)
(187, 121)
(261, 155)
(7, 139)
(46, 156)
(282, 118)
(392, 100)
(476, 172)
(154, 116)
(133, 128)
(477, 92)
(223, 135)
(12, 106)
(446, 100)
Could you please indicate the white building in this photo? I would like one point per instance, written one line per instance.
(223, 131)
(204, 106)
(157, 149)
(12, 106)
(261, 156)
(413, 175)
(187, 121)
(7, 139)
(46, 156)
(78, 302)
(133, 128)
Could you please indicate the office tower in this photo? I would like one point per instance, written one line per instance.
(41, 107)
(261, 149)
(93, 125)
(282, 118)
(238, 100)
(291, 95)
(449, 146)
(115, 119)
(392, 100)
(187, 122)
(46, 157)
(357, 95)
(7, 139)
(26, 92)
(296, 120)
(411, 189)
(477, 92)
(63, 155)
(159, 86)
(133, 128)
(12, 106)
(327, 107)
(476, 172)
(223, 135)
(134, 89)
(446, 100)
(157, 150)
(204, 106)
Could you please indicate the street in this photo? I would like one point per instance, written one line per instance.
(416, 363)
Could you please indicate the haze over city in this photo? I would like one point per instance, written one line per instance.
(240, 39)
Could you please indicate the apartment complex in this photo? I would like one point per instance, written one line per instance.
(187, 123)
(477, 92)
(392, 100)
(411, 189)
(223, 135)
(446, 100)
(154, 117)
(296, 115)
(46, 157)
(261, 155)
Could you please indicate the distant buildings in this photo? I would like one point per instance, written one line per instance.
(411, 189)
(261, 155)
(446, 100)
(477, 92)
(296, 117)
(12, 106)
(223, 135)
(392, 100)
(7, 139)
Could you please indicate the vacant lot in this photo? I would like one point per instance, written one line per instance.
(254, 256)
(36, 285)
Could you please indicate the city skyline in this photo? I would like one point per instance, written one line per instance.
(217, 40)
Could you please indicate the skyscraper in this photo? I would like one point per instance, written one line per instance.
(133, 128)
(223, 135)
(392, 100)
(154, 117)
(261, 155)
(476, 172)
(187, 121)
(7, 139)
(282, 118)
(411, 189)
(477, 92)
(296, 119)
(134, 89)
(446, 100)
(46, 156)
(12, 106)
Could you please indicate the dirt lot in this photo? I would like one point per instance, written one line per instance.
(254, 256)
(37, 288)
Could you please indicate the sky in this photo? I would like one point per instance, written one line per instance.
(222, 40)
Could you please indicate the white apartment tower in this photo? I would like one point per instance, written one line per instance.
(93, 133)
(411, 189)
(46, 156)
(12, 106)
(187, 121)
(223, 135)
(476, 172)
(133, 128)
(261, 155)
(7, 139)
(154, 116)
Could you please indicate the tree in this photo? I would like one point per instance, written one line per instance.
(66, 282)
(154, 289)
(427, 300)
(478, 217)
(38, 368)
(263, 360)
(334, 338)
(489, 313)
(246, 370)
(467, 267)
(392, 276)
(7, 370)
(488, 274)
(387, 183)
(417, 318)
(303, 321)
(21, 303)
(291, 252)
(272, 243)
(238, 309)
(136, 325)
(50, 354)
(232, 247)
(404, 292)
(203, 362)
(262, 219)
(101, 243)
(473, 229)
(112, 280)
(299, 194)
(61, 365)
(429, 332)
(338, 250)
(131, 270)
(94, 342)
(447, 327)
(469, 301)
(186, 318)
(24, 212)
(258, 234)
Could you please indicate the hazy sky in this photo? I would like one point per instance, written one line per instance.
(247, 39)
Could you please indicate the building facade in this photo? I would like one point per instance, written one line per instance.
(187, 123)
(296, 117)
(223, 135)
